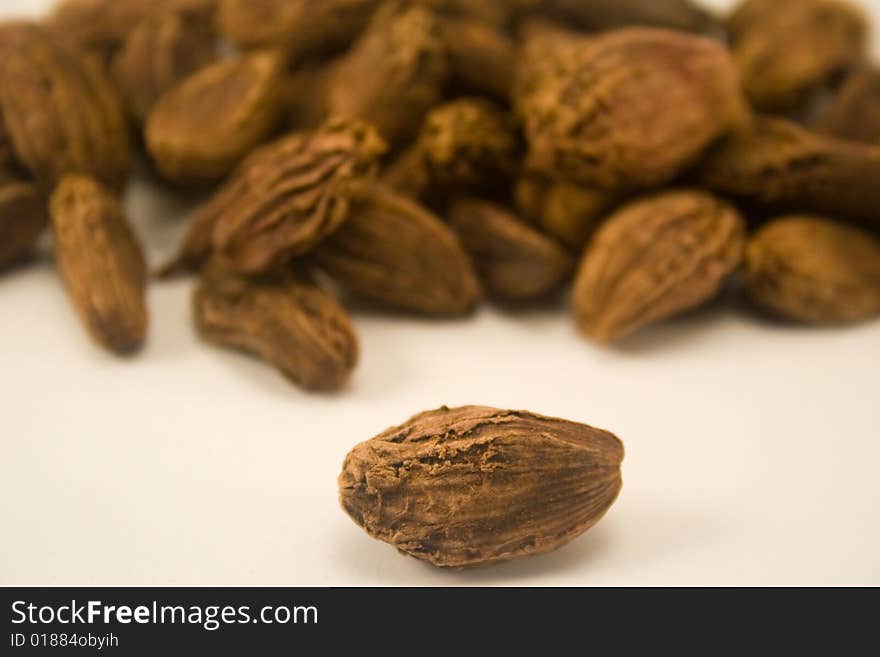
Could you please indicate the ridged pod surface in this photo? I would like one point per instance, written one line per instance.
(468, 144)
(101, 262)
(629, 109)
(285, 319)
(779, 165)
(290, 195)
(393, 251)
(655, 258)
(61, 112)
(474, 485)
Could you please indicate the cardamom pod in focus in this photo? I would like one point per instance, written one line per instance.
(472, 486)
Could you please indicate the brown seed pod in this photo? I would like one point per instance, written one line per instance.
(290, 195)
(655, 258)
(472, 486)
(297, 163)
(23, 217)
(396, 253)
(61, 112)
(482, 58)
(787, 49)
(596, 121)
(516, 263)
(200, 129)
(104, 24)
(394, 73)
(683, 15)
(303, 28)
(815, 271)
(285, 319)
(569, 213)
(160, 52)
(855, 112)
(780, 166)
(464, 145)
(548, 52)
(101, 263)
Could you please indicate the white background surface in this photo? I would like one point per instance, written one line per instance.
(752, 449)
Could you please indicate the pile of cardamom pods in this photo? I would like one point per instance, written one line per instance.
(427, 154)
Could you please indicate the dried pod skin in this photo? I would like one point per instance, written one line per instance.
(787, 49)
(815, 271)
(23, 217)
(482, 58)
(468, 143)
(285, 319)
(465, 145)
(595, 122)
(855, 113)
(266, 177)
(778, 165)
(548, 52)
(516, 263)
(572, 213)
(303, 28)
(472, 486)
(290, 195)
(104, 24)
(655, 258)
(61, 113)
(681, 15)
(394, 252)
(200, 129)
(394, 73)
(100, 262)
(160, 52)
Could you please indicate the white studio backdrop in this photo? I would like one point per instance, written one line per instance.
(752, 448)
